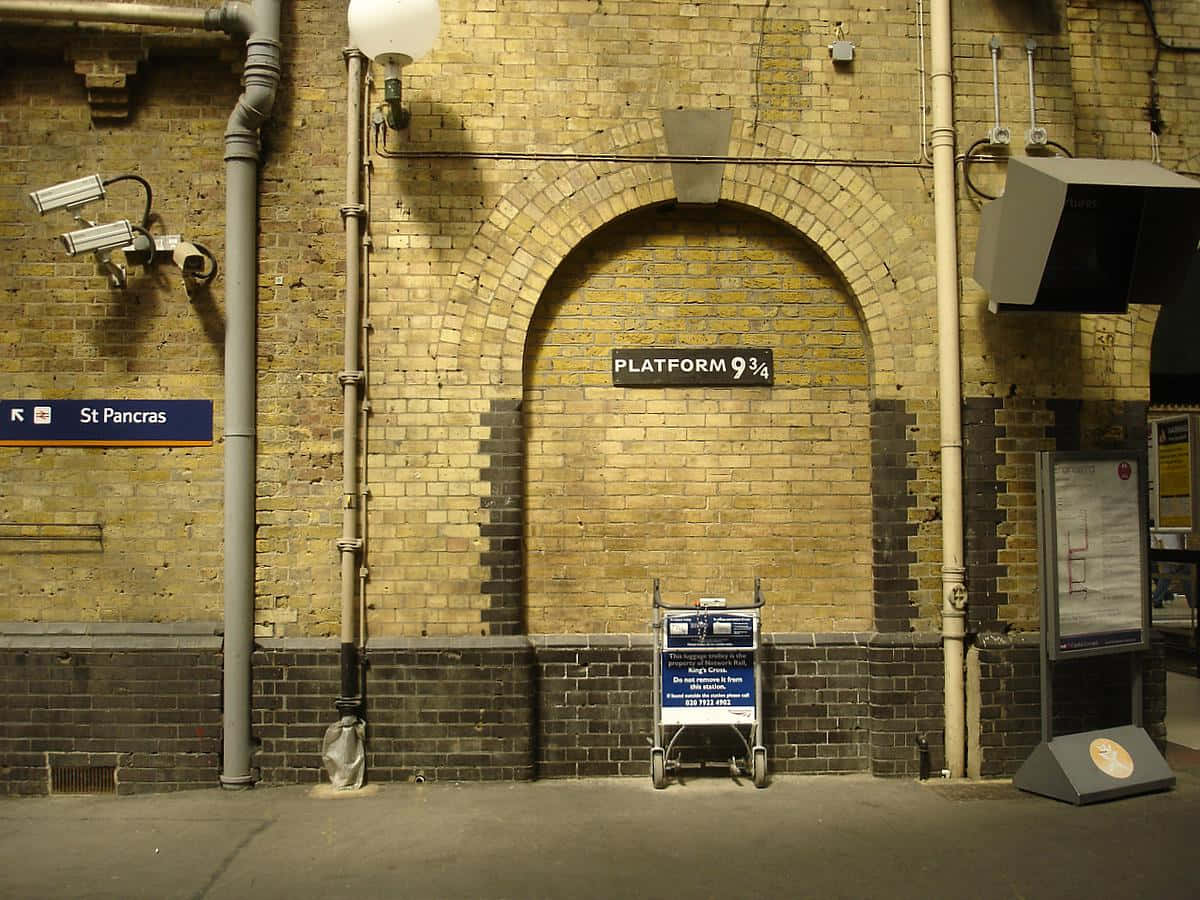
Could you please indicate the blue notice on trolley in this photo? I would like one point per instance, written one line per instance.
(708, 688)
(705, 630)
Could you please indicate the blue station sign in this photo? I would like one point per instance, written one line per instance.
(106, 423)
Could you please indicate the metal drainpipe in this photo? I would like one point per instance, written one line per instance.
(258, 20)
(115, 13)
(260, 81)
(351, 379)
(954, 594)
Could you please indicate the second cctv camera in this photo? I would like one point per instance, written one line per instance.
(98, 238)
(69, 193)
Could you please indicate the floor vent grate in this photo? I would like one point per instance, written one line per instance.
(83, 779)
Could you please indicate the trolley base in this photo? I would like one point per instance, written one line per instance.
(664, 762)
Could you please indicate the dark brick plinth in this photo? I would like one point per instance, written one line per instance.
(154, 714)
(1089, 694)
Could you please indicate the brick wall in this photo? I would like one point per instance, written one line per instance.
(703, 487)
(515, 708)
(454, 710)
(148, 705)
(894, 529)
(485, 426)
(1088, 694)
(146, 524)
(464, 246)
(832, 703)
(595, 712)
(1001, 439)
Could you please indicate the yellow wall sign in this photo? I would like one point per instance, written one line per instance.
(1173, 443)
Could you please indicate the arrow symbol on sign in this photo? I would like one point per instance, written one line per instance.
(18, 415)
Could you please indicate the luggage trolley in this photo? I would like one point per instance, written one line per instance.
(707, 673)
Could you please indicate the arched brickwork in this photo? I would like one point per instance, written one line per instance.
(1145, 320)
(886, 269)
(533, 227)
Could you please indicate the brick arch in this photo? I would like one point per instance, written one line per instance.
(1145, 320)
(538, 222)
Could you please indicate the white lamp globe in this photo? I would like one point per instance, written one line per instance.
(394, 32)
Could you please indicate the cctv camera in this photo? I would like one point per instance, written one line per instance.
(189, 258)
(98, 238)
(69, 193)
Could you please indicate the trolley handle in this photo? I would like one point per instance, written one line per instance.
(759, 600)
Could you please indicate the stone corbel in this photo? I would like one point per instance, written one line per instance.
(106, 66)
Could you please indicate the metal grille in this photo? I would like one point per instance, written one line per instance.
(83, 779)
(976, 790)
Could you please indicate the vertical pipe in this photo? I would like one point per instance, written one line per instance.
(240, 271)
(364, 481)
(949, 385)
(259, 20)
(260, 82)
(1030, 46)
(351, 378)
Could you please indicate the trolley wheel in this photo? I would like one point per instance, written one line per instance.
(658, 768)
(760, 767)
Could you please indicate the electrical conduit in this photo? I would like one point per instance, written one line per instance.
(351, 378)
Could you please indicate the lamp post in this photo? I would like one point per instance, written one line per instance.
(394, 33)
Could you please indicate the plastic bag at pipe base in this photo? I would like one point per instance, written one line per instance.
(344, 753)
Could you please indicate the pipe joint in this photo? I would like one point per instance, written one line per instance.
(354, 210)
(348, 378)
(349, 706)
(350, 545)
(262, 58)
(241, 144)
(237, 782)
(349, 53)
(260, 79)
(231, 17)
(941, 136)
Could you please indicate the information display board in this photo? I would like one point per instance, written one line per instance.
(1093, 539)
(1175, 473)
(1093, 548)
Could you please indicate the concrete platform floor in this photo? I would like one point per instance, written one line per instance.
(826, 837)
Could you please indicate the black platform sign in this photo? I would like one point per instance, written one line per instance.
(703, 367)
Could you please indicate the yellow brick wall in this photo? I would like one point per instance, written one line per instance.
(157, 555)
(704, 488)
(465, 243)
